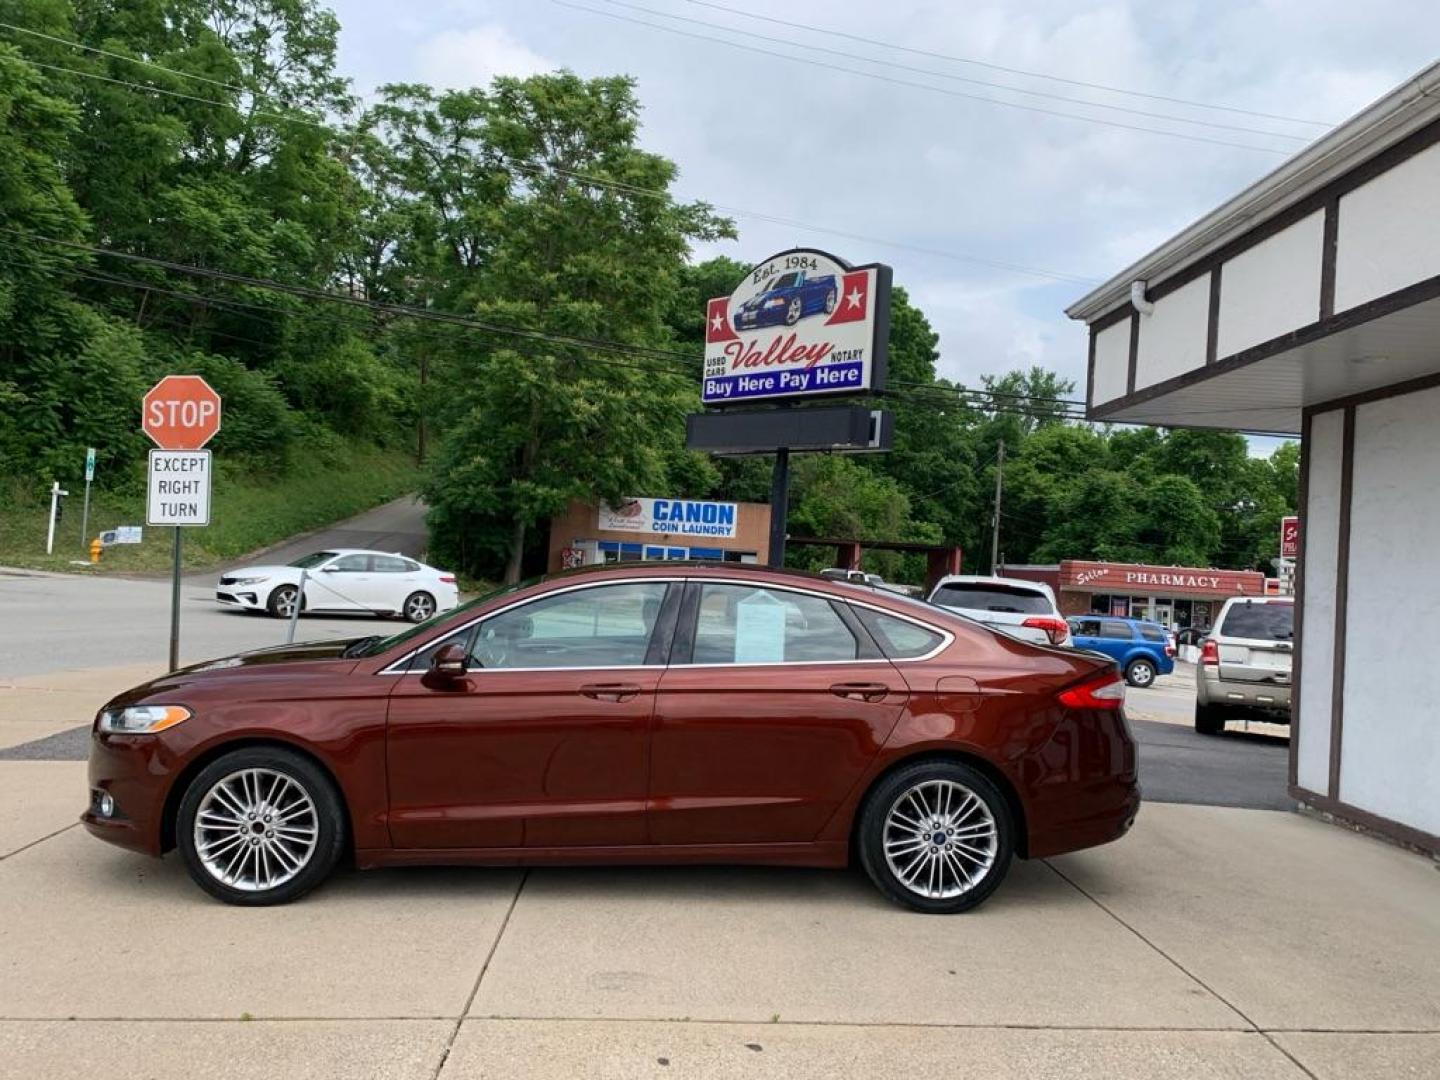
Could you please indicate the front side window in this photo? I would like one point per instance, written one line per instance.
(603, 626)
(742, 624)
(306, 562)
(350, 564)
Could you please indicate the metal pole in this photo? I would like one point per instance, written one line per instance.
(54, 502)
(999, 491)
(779, 506)
(295, 615)
(175, 605)
(85, 516)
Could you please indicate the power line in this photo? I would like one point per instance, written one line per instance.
(1008, 70)
(1169, 117)
(918, 85)
(531, 166)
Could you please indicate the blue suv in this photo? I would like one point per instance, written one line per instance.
(1142, 649)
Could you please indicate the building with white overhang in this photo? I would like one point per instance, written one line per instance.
(1309, 304)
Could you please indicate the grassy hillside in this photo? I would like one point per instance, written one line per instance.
(249, 510)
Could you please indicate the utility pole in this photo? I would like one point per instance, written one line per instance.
(999, 491)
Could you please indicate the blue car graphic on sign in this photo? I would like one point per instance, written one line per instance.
(787, 298)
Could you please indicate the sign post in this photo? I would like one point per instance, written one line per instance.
(89, 476)
(180, 413)
(56, 494)
(802, 324)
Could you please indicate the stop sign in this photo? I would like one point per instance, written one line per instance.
(180, 412)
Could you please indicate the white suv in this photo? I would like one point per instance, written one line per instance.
(1023, 609)
(1245, 663)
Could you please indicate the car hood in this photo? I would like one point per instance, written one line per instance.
(317, 657)
(260, 571)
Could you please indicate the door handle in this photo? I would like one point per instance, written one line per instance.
(610, 691)
(861, 691)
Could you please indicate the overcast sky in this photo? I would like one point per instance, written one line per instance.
(965, 179)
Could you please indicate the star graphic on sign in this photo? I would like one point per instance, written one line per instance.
(718, 322)
(852, 298)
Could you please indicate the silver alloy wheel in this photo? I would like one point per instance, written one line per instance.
(1142, 674)
(419, 607)
(830, 302)
(285, 598)
(940, 839)
(792, 315)
(256, 829)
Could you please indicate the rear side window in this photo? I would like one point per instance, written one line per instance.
(742, 624)
(898, 639)
(1260, 622)
(1114, 628)
(1152, 633)
(987, 597)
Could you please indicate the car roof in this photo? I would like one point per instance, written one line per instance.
(986, 579)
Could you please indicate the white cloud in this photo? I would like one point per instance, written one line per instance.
(474, 56)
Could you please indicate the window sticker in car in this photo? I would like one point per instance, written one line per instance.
(759, 629)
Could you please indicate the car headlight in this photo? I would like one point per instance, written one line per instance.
(247, 580)
(142, 719)
(776, 302)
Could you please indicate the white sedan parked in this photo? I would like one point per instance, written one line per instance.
(342, 580)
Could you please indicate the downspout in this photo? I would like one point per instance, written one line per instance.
(1137, 298)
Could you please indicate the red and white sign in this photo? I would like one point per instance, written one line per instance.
(1137, 580)
(801, 324)
(1290, 537)
(180, 412)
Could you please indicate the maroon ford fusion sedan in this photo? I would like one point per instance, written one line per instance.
(643, 714)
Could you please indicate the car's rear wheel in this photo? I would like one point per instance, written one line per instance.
(259, 826)
(1140, 673)
(936, 836)
(282, 601)
(830, 301)
(793, 312)
(419, 606)
(1209, 720)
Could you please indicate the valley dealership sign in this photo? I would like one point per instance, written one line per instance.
(669, 517)
(801, 324)
(1129, 578)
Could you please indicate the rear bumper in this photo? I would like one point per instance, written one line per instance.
(1087, 791)
(1269, 696)
(1118, 803)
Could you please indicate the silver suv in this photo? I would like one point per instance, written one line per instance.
(1245, 664)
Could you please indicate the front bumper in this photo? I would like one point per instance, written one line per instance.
(137, 772)
(751, 320)
(241, 596)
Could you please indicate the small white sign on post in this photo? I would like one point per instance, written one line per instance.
(178, 492)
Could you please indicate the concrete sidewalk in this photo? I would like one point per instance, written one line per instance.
(1209, 943)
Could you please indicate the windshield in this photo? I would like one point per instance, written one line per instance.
(379, 645)
(1260, 622)
(315, 559)
(784, 281)
(988, 597)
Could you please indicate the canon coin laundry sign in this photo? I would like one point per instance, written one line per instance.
(803, 323)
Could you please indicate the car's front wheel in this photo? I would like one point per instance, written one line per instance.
(1140, 673)
(261, 825)
(936, 836)
(419, 606)
(282, 601)
(793, 312)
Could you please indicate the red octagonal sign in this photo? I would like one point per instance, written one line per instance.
(180, 412)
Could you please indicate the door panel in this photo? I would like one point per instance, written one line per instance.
(763, 750)
(544, 742)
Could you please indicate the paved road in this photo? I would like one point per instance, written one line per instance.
(1240, 768)
(56, 622)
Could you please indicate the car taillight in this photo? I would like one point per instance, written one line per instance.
(1057, 630)
(448, 579)
(1169, 649)
(1209, 652)
(1105, 691)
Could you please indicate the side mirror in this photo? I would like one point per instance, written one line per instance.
(328, 569)
(449, 662)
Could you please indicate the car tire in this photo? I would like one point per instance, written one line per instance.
(281, 599)
(794, 312)
(233, 799)
(1141, 674)
(902, 856)
(1209, 720)
(831, 299)
(419, 606)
